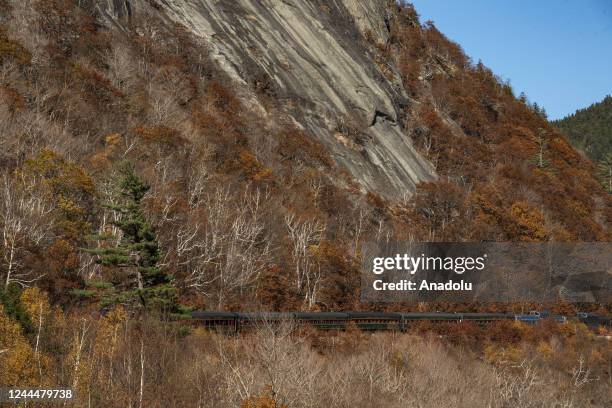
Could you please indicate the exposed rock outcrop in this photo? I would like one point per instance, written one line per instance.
(117, 9)
(312, 58)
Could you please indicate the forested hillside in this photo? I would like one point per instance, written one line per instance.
(590, 130)
(144, 173)
(246, 209)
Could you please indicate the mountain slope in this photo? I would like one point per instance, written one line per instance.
(361, 76)
(160, 155)
(308, 58)
(275, 141)
(590, 129)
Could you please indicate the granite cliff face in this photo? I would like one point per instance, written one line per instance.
(311, 58)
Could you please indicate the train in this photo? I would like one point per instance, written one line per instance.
(375, 321)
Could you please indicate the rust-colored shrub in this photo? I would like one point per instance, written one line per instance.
(160, 135)
(261, 401)
(507, 332)
(13, 98)
(437, 211)
(69, 187)
(294, 146)
(530, 222)
(12, 51)
(223, 98)
(252, 168)
(99, 89)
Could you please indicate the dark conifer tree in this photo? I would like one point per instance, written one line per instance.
(137, 253)
(590, 129)
(604, 171)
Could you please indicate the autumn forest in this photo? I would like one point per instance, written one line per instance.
(138, 183)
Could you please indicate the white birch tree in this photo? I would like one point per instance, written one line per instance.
(304, 234)
(24, 221)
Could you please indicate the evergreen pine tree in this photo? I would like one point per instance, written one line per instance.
(13, 308)
(137, 253)
(605, 172)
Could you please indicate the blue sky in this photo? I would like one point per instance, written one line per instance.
(559, 52)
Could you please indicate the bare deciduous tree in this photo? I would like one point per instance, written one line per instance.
(24, 220)
(230, 250)
(303, 235)
(270, 361)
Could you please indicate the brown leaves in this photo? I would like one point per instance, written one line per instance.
(473, 128)
(252, 168)
(14, 100)
(70, 188)
(16, 355)
(530, 222)
(261, 401)
(295, 146)
(13, 51)
(438, 210)
(160, 135)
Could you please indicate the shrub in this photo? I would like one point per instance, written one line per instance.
(261, 401)
(13, 51)
(160, 135)
(252, 168)
(70, 187)
(530, 222)
(295, 145)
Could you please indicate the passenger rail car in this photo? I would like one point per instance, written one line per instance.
(225, 321)
(593, 320)
(322, 320)
(373, 321)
